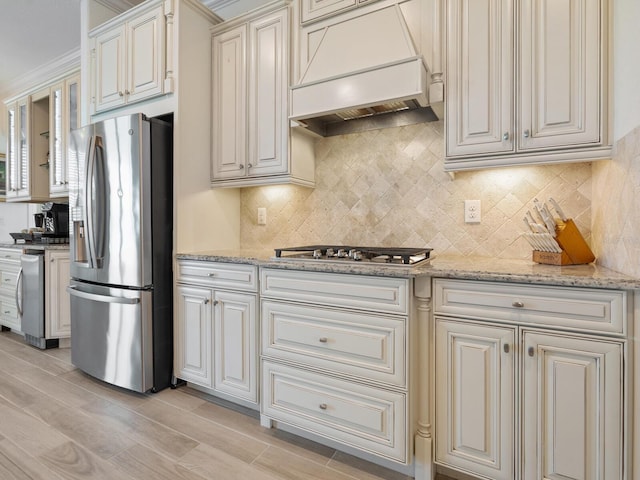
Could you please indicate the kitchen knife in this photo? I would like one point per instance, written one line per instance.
(543, 210)
(558, 209)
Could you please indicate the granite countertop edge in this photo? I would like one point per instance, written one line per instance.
(443, 266)
(36, 246)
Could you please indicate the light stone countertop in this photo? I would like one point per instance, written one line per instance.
(443, 266)
(36, 246)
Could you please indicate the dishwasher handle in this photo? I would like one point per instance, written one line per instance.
(19, 292)
(101, 298)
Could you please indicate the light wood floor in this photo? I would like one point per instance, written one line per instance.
(59, 423)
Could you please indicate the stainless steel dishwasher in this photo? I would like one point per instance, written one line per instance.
(30, 299)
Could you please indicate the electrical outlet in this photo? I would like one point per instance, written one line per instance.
(472, 211)
(262, 216)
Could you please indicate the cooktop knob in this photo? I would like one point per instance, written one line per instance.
(357, 256)
(317, 253)
(330, 252)
(341, 253)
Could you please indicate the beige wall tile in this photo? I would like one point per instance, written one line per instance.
(616, 207)
(388, 188)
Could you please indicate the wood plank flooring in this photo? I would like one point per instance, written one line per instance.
(59, 423)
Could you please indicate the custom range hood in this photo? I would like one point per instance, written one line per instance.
(362, 73)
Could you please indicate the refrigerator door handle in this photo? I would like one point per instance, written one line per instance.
(99, 227)
(72, 290)
(88, 211)
(19, 292)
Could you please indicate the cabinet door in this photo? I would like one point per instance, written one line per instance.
(235, 345)
(572, 408)
(57, 302)
(316, 9)
(229, 149)
(18, 170)
(145, 55)
(559, 73)
(193, 335)
(479, 105)
(57, 145)
(110, 81)
(12, 150)
(475, 398)
(268, 88)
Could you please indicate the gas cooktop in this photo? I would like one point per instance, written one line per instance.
(345, 253)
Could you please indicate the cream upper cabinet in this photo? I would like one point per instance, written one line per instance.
(316, 9)
(28, 148)
(129, 58)
(64, 114)
(252, 141)
(526, 82)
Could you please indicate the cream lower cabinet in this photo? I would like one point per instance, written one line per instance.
(335, 352)
(216, 329)
(9, 272)
(504, 386)
(57, 303)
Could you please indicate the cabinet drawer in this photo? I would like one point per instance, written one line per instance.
(381, 294)
(370, 346)
(9, 313)
(584, 309)
(229, 275)
(361, 416)
(10, 256)
(8, 280)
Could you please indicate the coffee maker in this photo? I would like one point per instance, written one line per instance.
(55, 219)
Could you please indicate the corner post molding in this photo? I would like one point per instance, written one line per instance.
(169, 44)
(423, 439)
(436, 80)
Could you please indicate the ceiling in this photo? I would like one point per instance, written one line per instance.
(36, 32)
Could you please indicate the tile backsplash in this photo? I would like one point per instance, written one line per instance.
(616, 207)
(388, 188)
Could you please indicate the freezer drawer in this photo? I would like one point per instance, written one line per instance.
(112, 334)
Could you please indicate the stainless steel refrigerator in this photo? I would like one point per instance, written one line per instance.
(120, 219)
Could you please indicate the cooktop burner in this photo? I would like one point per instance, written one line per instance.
(345, 253)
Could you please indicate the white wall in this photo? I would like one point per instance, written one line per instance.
(13, 218)
(626, 67)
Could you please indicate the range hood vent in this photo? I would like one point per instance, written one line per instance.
(364, 70)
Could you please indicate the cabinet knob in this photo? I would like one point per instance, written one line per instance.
(249, 165)
(505, 136)
(206, 301)
(323, 406)
(526, 133)
(240, 167)
(505, 347)
(127, 92)
(322, 339)
(531, 351)
(517, 304)
(121, 94)
(211, 274)
(215, 302)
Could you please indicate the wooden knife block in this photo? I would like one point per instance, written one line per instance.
(575, 250)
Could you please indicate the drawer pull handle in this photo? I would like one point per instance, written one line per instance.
(518, 304)
(7, 311)
(323, 339)
(531, 351)
(506, 348)
(211, 274)
(323, 406)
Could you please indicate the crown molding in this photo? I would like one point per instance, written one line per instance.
(118, 6)
(218, 4)
(56, 68)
